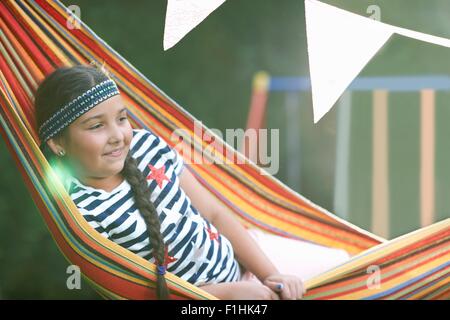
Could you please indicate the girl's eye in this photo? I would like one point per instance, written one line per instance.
(95, 127)
(123, 118)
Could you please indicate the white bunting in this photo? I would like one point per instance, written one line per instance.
(184, 15)
(340, 44)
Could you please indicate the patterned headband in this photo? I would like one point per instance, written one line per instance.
(77, 107)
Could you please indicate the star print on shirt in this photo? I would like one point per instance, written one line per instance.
(213, 235)
(158, 174)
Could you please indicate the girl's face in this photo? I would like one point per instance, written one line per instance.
(97, 143)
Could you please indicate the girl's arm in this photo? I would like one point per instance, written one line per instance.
(247, 251)
(243, 290)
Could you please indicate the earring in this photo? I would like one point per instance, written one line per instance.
(61, 153)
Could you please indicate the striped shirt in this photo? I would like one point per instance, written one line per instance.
(200, 255)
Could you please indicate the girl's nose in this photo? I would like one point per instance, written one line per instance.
(115, 134)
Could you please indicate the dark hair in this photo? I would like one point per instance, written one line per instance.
(61, 87)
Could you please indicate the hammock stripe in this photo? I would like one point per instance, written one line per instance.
(35, 39)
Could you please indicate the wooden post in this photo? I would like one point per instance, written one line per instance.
(257, 113)
(293, 135)
(427, 157)
(380, 165)
(342, 174)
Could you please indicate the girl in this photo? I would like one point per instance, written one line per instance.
(131, 187)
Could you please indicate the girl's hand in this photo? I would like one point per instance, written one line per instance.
(250, 290)
(288, 287)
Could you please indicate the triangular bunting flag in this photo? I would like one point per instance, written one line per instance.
(184, 15)
(340, 44)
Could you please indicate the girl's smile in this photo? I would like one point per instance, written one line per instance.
(116, 153)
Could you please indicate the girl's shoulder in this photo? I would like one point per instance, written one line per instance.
(144, 134)
(148, 147)
(146, 139)
(140, 133)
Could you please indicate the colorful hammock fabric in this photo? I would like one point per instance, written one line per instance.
(35, 39)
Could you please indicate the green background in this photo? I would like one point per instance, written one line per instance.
(210, 72)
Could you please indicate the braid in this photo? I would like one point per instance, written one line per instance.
(142, 193)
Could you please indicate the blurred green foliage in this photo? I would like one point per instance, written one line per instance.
(209, 73)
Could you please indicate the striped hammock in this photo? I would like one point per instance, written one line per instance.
(35, 39)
